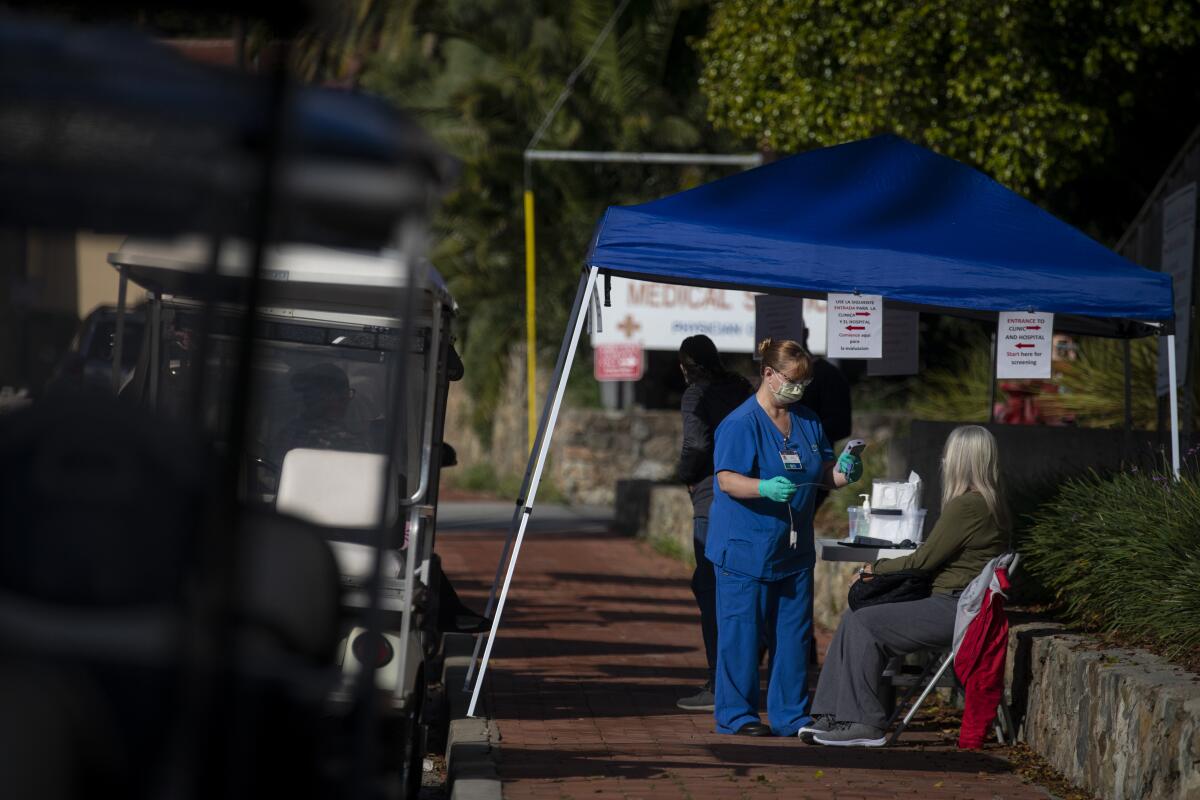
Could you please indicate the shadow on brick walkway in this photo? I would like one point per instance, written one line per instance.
(600, 639)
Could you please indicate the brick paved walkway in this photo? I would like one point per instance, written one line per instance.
(600, 638)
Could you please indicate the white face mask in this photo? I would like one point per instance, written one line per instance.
(789, 391)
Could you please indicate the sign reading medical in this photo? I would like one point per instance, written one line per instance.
(618, 362)
(854, 326)
(1024, 342)
(658, 316)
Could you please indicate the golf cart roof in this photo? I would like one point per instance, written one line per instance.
(294, 275)
(108, 130)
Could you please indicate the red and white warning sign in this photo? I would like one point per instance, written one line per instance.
(854, 326)
(1024, 342)
(618, 362)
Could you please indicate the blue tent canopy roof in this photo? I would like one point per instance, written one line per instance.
(878, 216)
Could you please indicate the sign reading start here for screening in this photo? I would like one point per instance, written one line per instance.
(854, 326)
(1023, 344)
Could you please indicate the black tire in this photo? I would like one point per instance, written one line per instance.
(413, 746)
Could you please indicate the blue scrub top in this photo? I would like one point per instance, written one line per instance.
(751, 537)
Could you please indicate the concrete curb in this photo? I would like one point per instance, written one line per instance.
(473, 745)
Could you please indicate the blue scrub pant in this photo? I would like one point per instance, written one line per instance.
(748, 611)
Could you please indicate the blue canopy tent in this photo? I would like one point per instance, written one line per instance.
(880, 216)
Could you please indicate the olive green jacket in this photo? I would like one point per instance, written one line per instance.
(964, 540)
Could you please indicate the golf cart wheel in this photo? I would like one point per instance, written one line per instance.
(412, 760)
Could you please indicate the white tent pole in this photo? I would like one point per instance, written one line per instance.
(518, 510)
(1174, 392)
(543, 447)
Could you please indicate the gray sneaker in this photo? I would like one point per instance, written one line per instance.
(852, 734)
(701, 701)
(820, 724)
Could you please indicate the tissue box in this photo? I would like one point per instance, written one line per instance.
(903, 495)
(908, 524)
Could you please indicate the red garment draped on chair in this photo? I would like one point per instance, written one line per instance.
(979, 663)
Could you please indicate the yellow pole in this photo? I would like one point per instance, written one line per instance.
(530, 319)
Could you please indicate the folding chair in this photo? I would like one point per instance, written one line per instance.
(942, 661)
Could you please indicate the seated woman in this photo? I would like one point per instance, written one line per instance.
(972, 530)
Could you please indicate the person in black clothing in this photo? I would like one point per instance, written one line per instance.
(711, 394)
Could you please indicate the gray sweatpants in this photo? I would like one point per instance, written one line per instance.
(849, 684)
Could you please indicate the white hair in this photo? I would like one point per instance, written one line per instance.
(970, 462)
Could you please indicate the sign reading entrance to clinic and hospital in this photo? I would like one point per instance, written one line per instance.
(854, 326)
(658, 316)
(1024, 343)
(618, 362)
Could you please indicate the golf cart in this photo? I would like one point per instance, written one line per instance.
(188, 609)
(331, 441)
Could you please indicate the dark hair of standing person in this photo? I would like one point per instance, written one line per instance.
(700, 360)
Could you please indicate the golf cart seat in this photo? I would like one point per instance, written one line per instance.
(341, 491)
(103, 514)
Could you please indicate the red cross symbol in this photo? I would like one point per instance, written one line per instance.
(629, 326)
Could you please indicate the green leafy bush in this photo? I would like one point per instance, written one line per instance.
(958, 394)
(1093, 386)
(484, 479)
(1122, 556)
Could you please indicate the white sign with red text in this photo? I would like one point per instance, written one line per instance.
(854, 326)
(659, 316)
(1024, 342)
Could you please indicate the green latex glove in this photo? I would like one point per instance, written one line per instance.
(850, 465)
(779, 489)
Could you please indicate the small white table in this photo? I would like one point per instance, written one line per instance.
(834, 550)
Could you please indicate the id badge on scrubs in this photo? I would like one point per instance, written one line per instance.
(791, 459)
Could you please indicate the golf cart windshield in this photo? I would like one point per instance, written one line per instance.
(317, 385)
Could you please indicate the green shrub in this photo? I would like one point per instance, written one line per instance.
(959, 394)
(1122, 556)
(483, 478)
(1093, 386)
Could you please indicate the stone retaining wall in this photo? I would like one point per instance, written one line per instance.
(594, 449)
(1122, 724)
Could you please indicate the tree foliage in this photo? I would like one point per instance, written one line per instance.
(1027, 90)
(481, 74)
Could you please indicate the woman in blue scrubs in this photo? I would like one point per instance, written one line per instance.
(771, 456)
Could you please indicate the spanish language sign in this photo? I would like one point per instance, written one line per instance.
(1023, 344)
(658, 316)
(854, 326)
